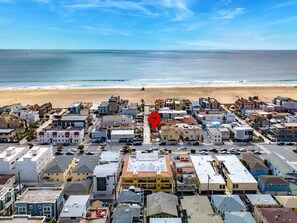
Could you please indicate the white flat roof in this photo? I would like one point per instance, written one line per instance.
(104, 170)
(172, 111)
(75, 206)
(16, 150)
(237, 171)
(203, 168)
(122, 132)
(35, 153)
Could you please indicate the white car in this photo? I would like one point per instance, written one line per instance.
(102, 144)
(74, 150)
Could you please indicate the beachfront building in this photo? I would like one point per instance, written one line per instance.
(103, 108)
(189, 132)
(44, 109)
(75, 108)
(150, 171)
(208, 179)
(9, 157)
(170, 133)
(74, 208)
(113, 106)
(33, 163)
(30, 116)
(7, 200)
(40, 201)
(10, 121)
(251, 103)
(241, 132)
(59, 135)
(167, 114)
(238, 178)
(122, 135)
(60, 169)
(131, 110)
(185, 174)
(215, 136)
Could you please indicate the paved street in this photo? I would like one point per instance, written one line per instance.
(146, 127)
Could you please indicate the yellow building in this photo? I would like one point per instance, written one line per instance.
(288, 202)
(169, 133)
(85, 168)
(60, 169)
(178, 105)
(150, 171)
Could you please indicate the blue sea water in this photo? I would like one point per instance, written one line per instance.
(129, 68)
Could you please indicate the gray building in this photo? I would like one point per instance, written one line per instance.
(227, 203)
(236, 217)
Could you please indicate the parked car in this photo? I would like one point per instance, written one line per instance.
(280, 143)
(74, 150)
(224, 150)
(257, 153)
(204, 153)
(183, 149)
(243, 150)
(89, 153)
(155, 148)
(289, 143)
(129, 143)
(213, 150)
(203, 150)
(162, 143)
(225, 153)
(103, 144)
(59, 153)
(196, 144)
(69, 153)
(137, 143)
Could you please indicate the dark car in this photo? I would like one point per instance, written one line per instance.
(280, 143)
(89, 153)
(196, 144)
(137, 143)
(162, 143)
(257, 153)
(129, 143)
(289, 143)
(59, 153)
(69, 153)
(213, 150)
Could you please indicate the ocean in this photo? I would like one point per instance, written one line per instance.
(135, 69)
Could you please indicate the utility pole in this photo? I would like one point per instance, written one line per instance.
(115, 186)
(208, 178)
(19, 179)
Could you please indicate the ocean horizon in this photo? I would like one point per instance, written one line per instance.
(39, 69)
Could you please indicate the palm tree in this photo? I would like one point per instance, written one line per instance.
(269, 117)
(142, 104)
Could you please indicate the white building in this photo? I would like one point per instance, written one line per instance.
(74, 208)
(34, 162)
(122, 135)
(215, 136)
(9, 157)
(130, 110)
(166, 113)
(238, 178)
(94, 108)
(98, 134)
(6, 201)
(104, 181)
(208, 179)
(225, 133)
(291, 119)
(189, 132)
(103, 108)
(119, 119)
(241, 132)
(30, 116)
(60, 135)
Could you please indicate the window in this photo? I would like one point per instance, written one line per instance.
(235, 185)
(22, 210)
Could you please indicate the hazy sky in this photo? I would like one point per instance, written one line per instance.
(148, 24)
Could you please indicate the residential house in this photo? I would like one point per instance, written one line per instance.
(9, 157)
(255, 165)
(238, 178)
(7, 135)
(215, 136)
(150, 171)
(85, 168)
(74, 208)
(96, 215)
(75, 108)
(208, 179)
(127, 214)
(187, 105)
(30, 116)
(190, 132)
(287, 202)
(159, 103)
(162, 205)
(60, 169)
(235, 217)
(247, 104)
(44, 109)
(198, 209)
(78, 187)
(167, 220)
(40, 201)
(270, 215)
(7, 199)
(122, 135)
(227, 203)
(7, 180)
(76, 121)
(273, 185)
(103, 108)
(260, 201)
(131, 110)
(241, 132)
(284, 132)
(170, 133)
(185, 174)
(113, 106)
(34, 162)
(23, 219)
(119, 119)
(167, 114)
(225, 133)
(11, 121)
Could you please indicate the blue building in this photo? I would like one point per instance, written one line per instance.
(227, 203)
(75, 108)
(41, 201)
(256, 165)
(273, 185)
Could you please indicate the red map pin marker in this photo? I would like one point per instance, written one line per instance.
(154, 118)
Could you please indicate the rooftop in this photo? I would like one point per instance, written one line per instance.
(36, 152)
(278, 214)
(40, 194)
(95, 215)
(86, 164)
(126, 214)
(165, 220)
(287, 201)
(199, 209)
(59, 164)
(12, 152)
(236, 170)
(70, 118)
(158, 203)
(122, 132)
(235, 217)
(130, 196)
(104, 170)
(203, 167)
(261, 199)
(270, 179)
(75, 206)
(4, 178)
(227, 203)
(22, 219)
(109, 156)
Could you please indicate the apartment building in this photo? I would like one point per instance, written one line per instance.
(33, 163)
(241, 132)
(113, 106)
(215, 136)
(85, 168)
(189, 132)
(9, 157)
(121, 135)
(150, 171)
(41, 201)
(238, 178)
(77, 121)
(166, 113)
(75, 108)
(6, 201)
(119, 119)
(44, 109)
(285, 132)
(209, 180)
(170, 133)
(30, 116)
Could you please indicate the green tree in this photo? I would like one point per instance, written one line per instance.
(81, 148)
(60, 148)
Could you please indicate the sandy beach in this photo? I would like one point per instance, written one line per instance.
(64, 97)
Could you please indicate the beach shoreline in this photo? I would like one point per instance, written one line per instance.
(63, 97)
